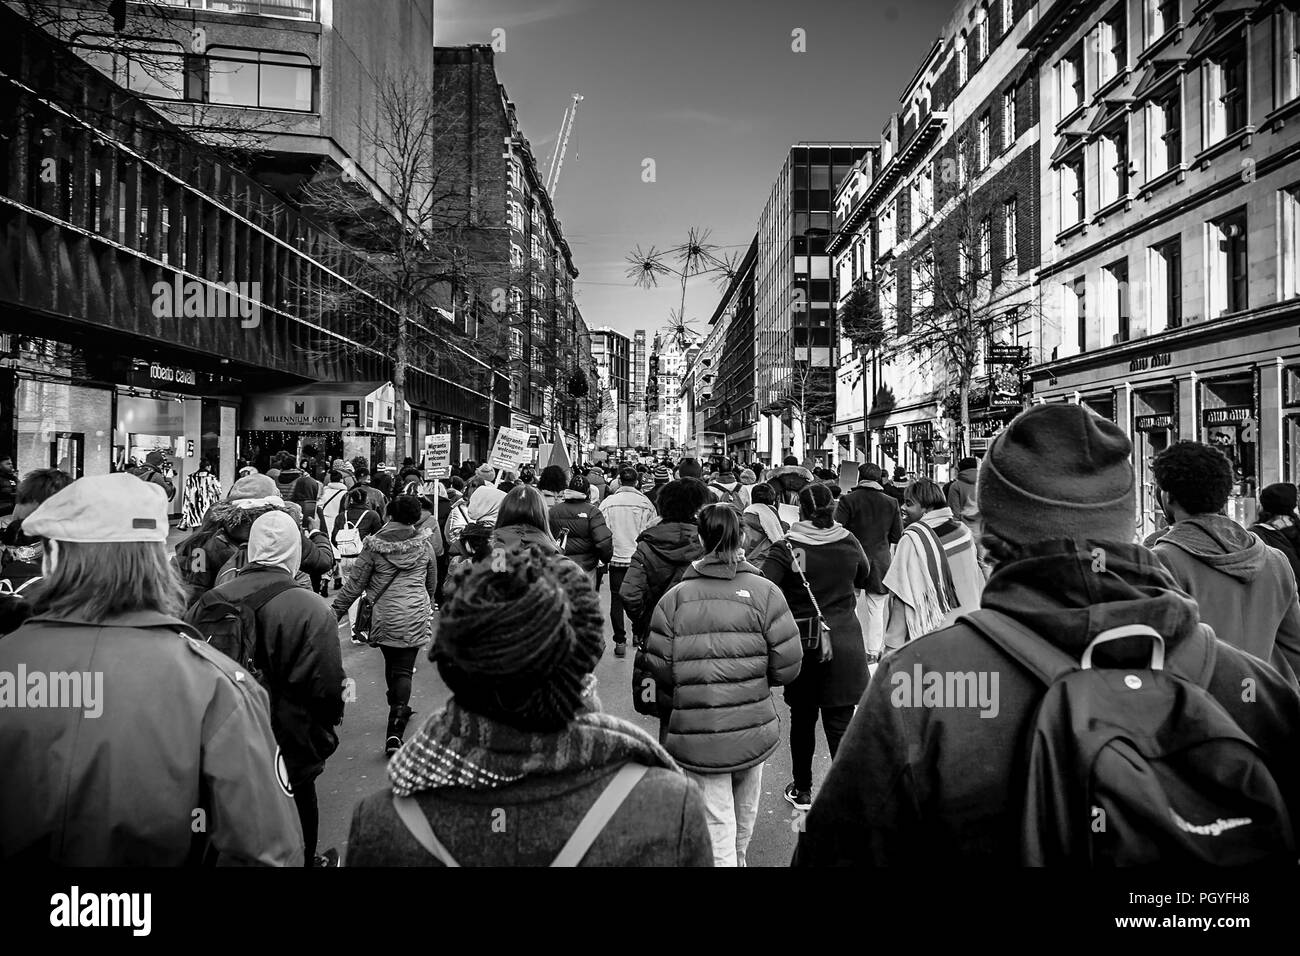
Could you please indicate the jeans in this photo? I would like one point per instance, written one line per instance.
(872, 609)
(399, 668)
(731, 807)
(803, 737)
(616, 615)
(304, 796)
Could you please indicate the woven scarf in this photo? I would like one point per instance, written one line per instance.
(922, 578)
(457, 748)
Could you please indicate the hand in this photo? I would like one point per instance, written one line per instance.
(826, 648)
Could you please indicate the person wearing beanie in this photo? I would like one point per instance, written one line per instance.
(1246, 590)
(873, 517)
(718, 643)
(962, 498)
(747, 481)
(690, 468)
(156, 470)
(486, 474)
(523, 736)
(165, 726)
(599, 486)
(943, 786)
(661, 476)
(726, 487)
(1277, 524)
(298, 647)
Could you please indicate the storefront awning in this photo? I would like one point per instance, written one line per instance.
(322, 407)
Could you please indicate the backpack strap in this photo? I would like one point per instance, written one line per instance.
(601, 812)
(1042, 659)
(409, 812)
(258, 599)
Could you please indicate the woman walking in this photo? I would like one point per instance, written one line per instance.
(523, 741)
(819, 567)
(934, 577)
(202, 491)
(397, 572)
(579, 527)
(761, 524)
(522, 521)
(355, 522)
(719, 642)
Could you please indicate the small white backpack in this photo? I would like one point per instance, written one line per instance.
(348, 540)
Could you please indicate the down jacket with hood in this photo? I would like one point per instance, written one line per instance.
(580, 525)
(1245, 589)
(482, 504)
(398, 562)
(663, 553)
(719, 642)
(201, 556)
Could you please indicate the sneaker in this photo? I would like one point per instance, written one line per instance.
(620, 649)
(329, 858)
(392, 745)
(799, 799)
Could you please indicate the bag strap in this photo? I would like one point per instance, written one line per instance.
(601, 812)
(409, 812)
(257, 599)
(794, 561)
(1042, 659)
(25, 585)
(325, 504)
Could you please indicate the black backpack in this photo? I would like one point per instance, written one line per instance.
(729, 496)
(230, 625)
(1137, 766)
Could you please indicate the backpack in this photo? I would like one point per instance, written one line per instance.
(348, 541)
(1136, 766)
(729, 497)
(146, 473)
(230, 625)
(232, 565)
(7, 586)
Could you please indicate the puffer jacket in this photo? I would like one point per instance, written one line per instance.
(581, 526)
(663, 553)
(627, 512)
(201, 556)
(719, 642)
(521, 535)
(403, 613)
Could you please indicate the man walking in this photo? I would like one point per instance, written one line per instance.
(627, 512)
(874, 519)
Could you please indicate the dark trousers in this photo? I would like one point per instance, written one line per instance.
(304, 795)
(616, 615)
(803, 737)
(399, 668)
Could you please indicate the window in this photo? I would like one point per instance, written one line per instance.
(1081, 312)
(277, 81)
(536, 250)
(1165, 132)
(1288, 55)
(923, 282)
(1227, 264)
(1224, 78)
(516, 344)
(961, 60)
(1114, 167)
(516, 301)
(1008, 15)
(1166, 288)
(982, 35)
(962, 150)
(885, 228)
(1070, 186)
(516, 256)
(985, 263)
(150, 68)
(1115, 302)
(1161, 15)
(1111, 52)
(516, 178)
(1069, 81)
(1009, 118)
(982, 156)
(1009, 236)
(1289, 247)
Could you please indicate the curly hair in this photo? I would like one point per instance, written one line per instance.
(518, 636)
(1197, 476)
(680, 500)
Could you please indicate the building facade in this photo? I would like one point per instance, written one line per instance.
(611, 350)
(1170, 241)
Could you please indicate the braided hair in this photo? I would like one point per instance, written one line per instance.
(518, 637)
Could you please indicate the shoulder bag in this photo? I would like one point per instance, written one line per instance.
(814, 632)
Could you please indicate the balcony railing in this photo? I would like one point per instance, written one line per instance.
(288, 9)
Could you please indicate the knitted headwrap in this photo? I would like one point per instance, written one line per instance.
(518, 638)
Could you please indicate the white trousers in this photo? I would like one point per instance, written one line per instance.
(731, 803)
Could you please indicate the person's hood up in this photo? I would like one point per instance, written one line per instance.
(728, 480)
(237, 517)
(797, 470)
(675, 541)
(1057, 591)
(768, 519)
(274, 541)
(804, 532)
(401, 544)
(968, 475)
(522, 535)
(1220, 543)
(712, 566)
(484, 503)
(570, 495)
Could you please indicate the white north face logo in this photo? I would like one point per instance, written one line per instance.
(744, 594)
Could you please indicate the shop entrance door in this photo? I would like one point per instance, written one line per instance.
(1151, 516)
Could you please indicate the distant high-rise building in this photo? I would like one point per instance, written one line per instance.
(611, 350)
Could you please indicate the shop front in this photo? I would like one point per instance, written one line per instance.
(332, 419)
(1230, 422)
(922, 449)
(887, 452)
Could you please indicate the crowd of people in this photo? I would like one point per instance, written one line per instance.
(951, 639)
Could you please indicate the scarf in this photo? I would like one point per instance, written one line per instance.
(922, 577)
(457, 748)
(769, 521)
(804, 532)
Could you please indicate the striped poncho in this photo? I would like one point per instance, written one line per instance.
(202, 491)
(935, 573)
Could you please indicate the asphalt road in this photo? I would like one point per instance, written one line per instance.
(358, 767)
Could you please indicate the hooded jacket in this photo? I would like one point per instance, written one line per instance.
(178, 732)
(835, 566)
(627, 512)
(297, 485)
(333, 498)
(399, 573)
(588, 541)
(872, 516)
(1246, 590)
(719, 642)
(962, 499)
(663, 553)
(761, 527)
(941, 786)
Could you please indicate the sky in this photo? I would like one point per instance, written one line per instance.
(711, 90)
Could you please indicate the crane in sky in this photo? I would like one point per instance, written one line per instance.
(562, 144)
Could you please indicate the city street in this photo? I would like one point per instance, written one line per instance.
(358, 766)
